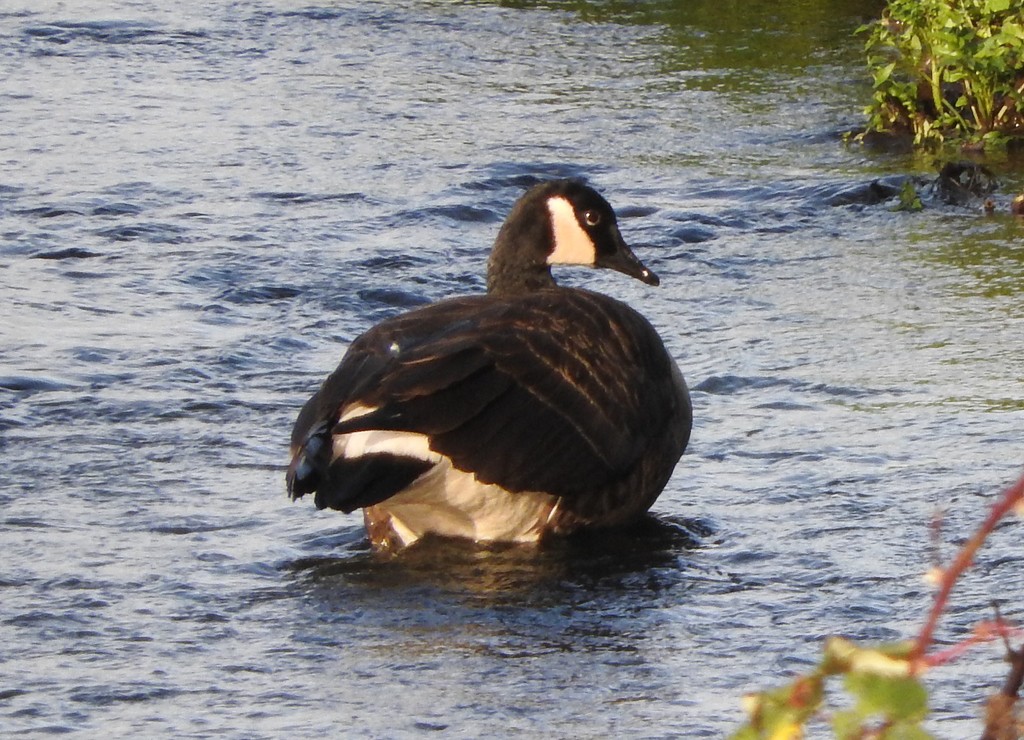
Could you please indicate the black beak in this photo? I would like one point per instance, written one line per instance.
(621, 259)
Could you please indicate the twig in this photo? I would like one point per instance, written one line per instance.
(1010, 498)
(1006, 105)
(983, 632)
(1000, 723)
(1011, 687)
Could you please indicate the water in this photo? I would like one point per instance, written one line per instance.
(201, 204)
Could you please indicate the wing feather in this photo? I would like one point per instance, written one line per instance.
(559, 391)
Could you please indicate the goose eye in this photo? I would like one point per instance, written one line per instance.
(592, 218)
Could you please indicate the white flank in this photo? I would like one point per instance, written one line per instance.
(573, 245)
(452, 503)
(357, 410)
(444, 500)
(406, 444)
(356, 444)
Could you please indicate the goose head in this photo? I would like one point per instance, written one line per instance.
(561, 222)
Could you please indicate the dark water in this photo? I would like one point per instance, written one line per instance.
(201, 204)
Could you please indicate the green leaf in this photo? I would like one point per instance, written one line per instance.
(884, 73)
(903, 731)
(1013, 30)
(997, 6)
(745, 733)
(894, 697)
(847, 724)
(909, 199)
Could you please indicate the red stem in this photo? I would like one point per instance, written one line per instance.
(1010, 498)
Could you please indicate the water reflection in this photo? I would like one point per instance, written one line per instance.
(749, 36)
(592, 620)
(655, 554)
(989, 257)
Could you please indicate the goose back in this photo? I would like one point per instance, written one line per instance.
(561, 391)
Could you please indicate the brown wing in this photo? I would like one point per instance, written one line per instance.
(560, 391)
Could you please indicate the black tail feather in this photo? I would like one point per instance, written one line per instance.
(352, 484)
(309, 463)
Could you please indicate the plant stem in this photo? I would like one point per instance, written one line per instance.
(1010, 498)
(1006, 105)
(1000, 720)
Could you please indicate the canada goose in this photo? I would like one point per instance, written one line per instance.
(530, 410)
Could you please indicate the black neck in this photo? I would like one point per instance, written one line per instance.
(516, 279)
(519, 259)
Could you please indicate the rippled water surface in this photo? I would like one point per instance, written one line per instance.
(201, 204)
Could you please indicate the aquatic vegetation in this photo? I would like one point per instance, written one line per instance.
(889, 699)
(948, 70)
(909, 200)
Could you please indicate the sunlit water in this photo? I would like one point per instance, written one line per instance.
(201, 204)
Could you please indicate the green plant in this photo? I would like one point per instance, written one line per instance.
(909, 198)
(948, 69)
(889, 700)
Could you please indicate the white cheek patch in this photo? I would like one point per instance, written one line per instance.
(573, 245)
